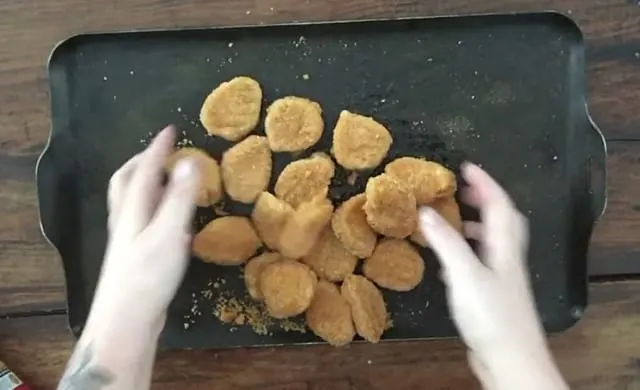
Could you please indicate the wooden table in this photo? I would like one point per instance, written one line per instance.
(601, 352)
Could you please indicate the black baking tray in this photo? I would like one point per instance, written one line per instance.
(506, 91)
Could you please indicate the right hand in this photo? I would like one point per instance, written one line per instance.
(490, 296)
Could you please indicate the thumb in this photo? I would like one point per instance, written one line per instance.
(176, 210)
(455, 254)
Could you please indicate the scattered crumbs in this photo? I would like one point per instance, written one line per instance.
(186, 325)
(473, 97)
(383, 100)
(290, 326)
(305, 76)
(389, 324)
(219, 209)
(230, 60)
(353, 176)
(248, 12)
(179, 109)
(230, 44)
(131, 72)
(232, 310)
(146, 139)
(555, 158)
(207, 59)
(429, 59)
(105, 78)
(300, 41)
(459, 43)
(426, 305)
(475, 72)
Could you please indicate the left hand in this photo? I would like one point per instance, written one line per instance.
(149, 236)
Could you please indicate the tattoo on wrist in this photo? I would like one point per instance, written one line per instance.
(83, 373)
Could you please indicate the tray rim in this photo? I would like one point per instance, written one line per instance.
(553, 14)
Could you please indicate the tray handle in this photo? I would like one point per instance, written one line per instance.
(596, 160)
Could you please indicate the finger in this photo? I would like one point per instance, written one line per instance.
(473, 230)
(118, 185)
(457, 259)
(177, 207)
(145, 183)
(480, 370)
(503, 243)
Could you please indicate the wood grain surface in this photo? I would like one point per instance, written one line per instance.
(600, 353)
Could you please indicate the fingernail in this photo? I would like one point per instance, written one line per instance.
(184, 169)
(428, 216)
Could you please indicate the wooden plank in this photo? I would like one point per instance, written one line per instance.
(601, 352)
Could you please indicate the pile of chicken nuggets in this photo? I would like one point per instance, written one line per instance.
(300, 251)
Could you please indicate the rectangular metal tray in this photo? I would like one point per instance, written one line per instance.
(505, 91)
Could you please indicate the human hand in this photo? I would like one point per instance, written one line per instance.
(490, 296)
(149, 236)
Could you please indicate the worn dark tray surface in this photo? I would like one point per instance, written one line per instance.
(505, 91)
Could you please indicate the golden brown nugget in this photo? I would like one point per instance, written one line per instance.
(246, 169)
(329, 258)
(302, 180)
(269, 217)
(232, 110)
(427, 179)
(293, 124)
(359, 142)
(350, 225)
(226, 241)
(449, 210)
(210, 191)
(367, 307)
(302, 229)
(329, 315)
(288, 287)
(254, 268)
(390, 206)
(395, 265)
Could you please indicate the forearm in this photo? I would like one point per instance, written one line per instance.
(114, 352)
(533, 370)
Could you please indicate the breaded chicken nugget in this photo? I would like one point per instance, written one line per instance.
(449, 210)
(288, 287)
(246, 169)
(329, 315)
(395, 265)
(302, 229)
(226, 241)
(210, 191)
(269, 217)
(350, 225)
(304, 179)
(359, 142)
(293, 124)
(390, 206)
(254, 268)
(427, 179)
(367, 307)
(329, 258)
(232, 110)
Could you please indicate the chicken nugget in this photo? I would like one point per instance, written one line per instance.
(293, 124)
(269, 217)
(302, 229)
(210, 191)
(395, 265)
(359, 142)
(288, 287)
(350, 225)
(367, 307)
(329, 315)
(427, 179)
(246, 169)
(232, 110)
(254, 268)
(329, 258)
(449, 210)
(226, 241)
(302, 180)
(390, 206)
